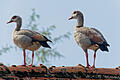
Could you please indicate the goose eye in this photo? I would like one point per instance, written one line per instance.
(74, 12)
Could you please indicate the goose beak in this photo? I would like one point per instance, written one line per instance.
(9, 22)
(70, 18)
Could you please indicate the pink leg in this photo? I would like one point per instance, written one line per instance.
(87, 60)
(94, 60)
(24, 54)
(32, 58)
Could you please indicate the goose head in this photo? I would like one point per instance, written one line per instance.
(15, 19)
(76, 15)
(79, 16)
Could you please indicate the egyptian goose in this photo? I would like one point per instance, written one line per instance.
(88, 38)
(27, 39)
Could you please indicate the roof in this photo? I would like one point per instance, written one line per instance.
(42, 72)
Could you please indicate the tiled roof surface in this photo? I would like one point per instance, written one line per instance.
(41, 72)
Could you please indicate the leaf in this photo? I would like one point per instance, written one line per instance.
(38, 16)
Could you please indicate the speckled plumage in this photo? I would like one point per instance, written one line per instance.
(23, 39)
(84, 35)
(88, 38)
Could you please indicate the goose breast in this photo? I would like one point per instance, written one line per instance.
(81, 39)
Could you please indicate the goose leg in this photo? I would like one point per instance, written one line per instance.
(87, 60)
(94, 60)
(32, 58)
(24, 54)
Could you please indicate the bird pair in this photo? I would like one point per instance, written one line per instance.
(86, 38)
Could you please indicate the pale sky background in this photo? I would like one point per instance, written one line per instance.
(101, 14)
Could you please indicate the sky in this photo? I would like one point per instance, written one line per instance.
(103, 15)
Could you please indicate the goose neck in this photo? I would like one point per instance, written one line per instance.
(80, 21)
(18, 25)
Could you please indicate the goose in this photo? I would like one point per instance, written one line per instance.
(88, 38)
(27, 39)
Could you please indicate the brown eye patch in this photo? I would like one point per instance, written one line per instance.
(74, 12)
(14, 17)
